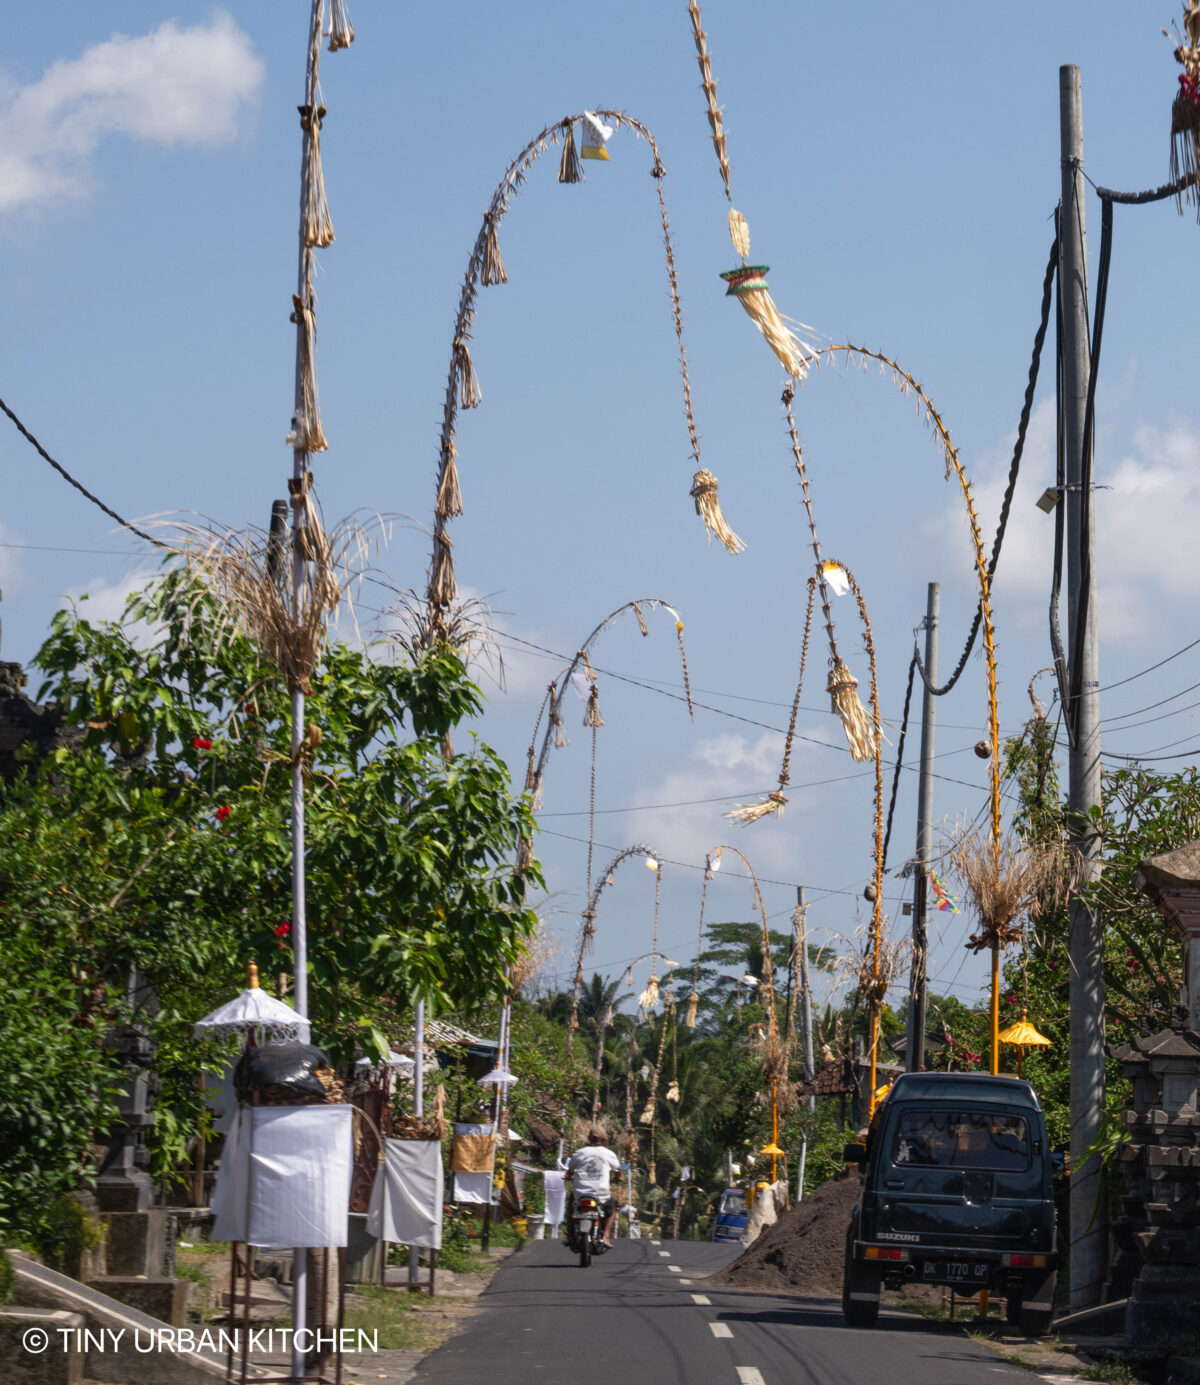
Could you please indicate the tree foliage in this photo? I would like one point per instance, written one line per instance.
(159, 846)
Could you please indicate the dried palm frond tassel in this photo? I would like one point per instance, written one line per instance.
(591, 716)
(843, 689)
(449, 494)
(470, 395)
(493, 266)
(316, 227)
(568, 165)
(629, 977)
(442, 586)
(689, 1018)
(673, 1091)
(311, 541)
(1185, 109)
(647, 1115)
(534, 785)
(649, 997)
(748, 284)
(307, 435)
(341, 31)
(704, 493)
(641, 619)
(746, 813)
(556, 721)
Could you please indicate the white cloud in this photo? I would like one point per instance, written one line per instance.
(103, 600)
(1147, 511)
(172, 86)
(721, 768)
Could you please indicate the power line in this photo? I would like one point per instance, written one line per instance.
(749, 721)
(66, 475)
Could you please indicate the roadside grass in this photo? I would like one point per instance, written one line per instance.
(403, 1322)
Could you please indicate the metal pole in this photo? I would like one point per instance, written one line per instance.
(1088, 1231)
(806, 1027)
(414, 1255)
(914, 1054)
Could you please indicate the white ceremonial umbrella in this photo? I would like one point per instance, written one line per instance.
(254, 1009)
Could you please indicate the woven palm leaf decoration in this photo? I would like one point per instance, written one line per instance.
(1185, 109)
(747, 282)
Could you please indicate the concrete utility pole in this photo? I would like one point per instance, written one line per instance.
(914, 1050)
(1088, 1231)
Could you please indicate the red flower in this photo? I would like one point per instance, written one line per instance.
(223, 812)
(1010, 1000)
(1052, 965)
(282, 929)
(202, 743)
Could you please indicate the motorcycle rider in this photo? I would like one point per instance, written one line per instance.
(589, 1170)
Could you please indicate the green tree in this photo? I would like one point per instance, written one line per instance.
(159, 844)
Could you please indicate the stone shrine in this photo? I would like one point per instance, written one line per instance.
(1158, 1234)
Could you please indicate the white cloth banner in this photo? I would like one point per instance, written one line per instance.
(472, 1187)
(231, 1196)
(554, 1181)
(406, 1201)
(301, 1160)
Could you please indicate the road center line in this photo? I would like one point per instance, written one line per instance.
(665, 1252)
(720, 1329)
(702, 1300)
(656, 1243)
(687, 1281)
(750, 1375)
(674, 1269)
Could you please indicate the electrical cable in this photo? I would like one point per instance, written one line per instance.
(887, 836)
(1013, 472)
(66, 475)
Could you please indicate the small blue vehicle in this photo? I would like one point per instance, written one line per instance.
(732, 1213)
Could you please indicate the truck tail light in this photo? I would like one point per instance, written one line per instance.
(1024, 1262)
(885, 1253)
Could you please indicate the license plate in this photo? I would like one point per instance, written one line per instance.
(585, 1223)
(955, 1271)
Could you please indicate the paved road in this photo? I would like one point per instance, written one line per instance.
(643, 1314)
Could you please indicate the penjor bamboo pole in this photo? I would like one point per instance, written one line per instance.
(299, 480)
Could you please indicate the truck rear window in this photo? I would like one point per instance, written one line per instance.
(961, 1140)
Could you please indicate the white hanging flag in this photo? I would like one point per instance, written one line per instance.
(579, 681)
(595, 136)
(836, 578)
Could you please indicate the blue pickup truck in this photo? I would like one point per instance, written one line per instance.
(730, 1220)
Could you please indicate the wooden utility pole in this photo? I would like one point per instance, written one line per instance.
(1088, 1230)
(914, 1053)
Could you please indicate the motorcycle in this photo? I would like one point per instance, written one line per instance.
(585, 1228)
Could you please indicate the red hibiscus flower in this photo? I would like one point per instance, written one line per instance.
(202, 743)
(282, 929)
(223, 812)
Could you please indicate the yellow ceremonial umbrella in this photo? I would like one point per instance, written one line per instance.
(1024, 1035)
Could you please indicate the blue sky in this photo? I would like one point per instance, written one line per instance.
(899, 170)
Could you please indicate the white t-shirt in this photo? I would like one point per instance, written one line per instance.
(591, 1168)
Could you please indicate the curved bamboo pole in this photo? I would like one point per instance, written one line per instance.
(906, 383)
(486, 266)
(878, 984)
(588, 930)
(769, 966)
(537, 761)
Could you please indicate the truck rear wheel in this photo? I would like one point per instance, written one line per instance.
(860, 1289)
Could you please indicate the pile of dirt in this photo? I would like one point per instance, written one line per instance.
(804, 1250)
